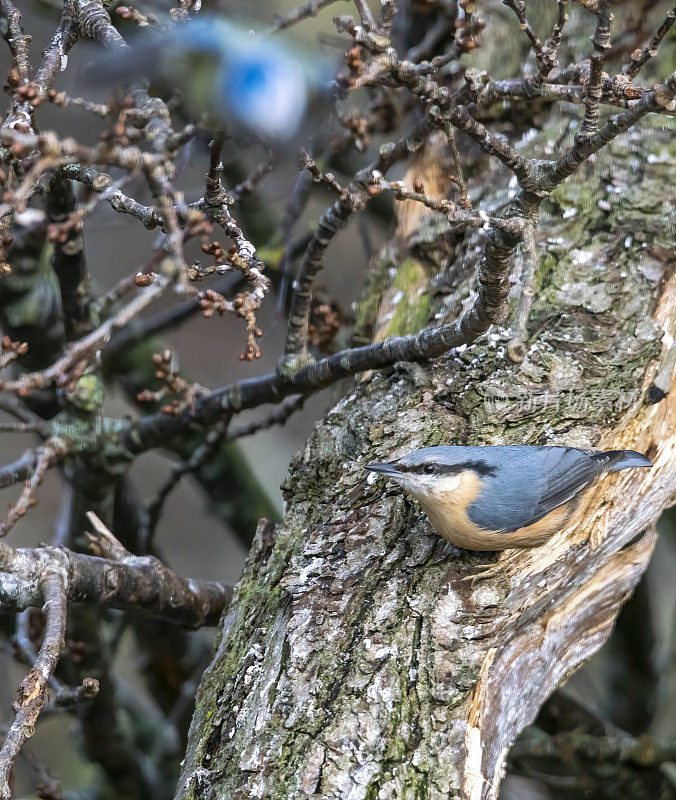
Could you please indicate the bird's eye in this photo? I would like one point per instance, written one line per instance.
(430, 469)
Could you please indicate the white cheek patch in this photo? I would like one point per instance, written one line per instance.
(448, 483)
(406, 483)
(426, 485)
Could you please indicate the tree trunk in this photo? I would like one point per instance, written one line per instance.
(364, 657)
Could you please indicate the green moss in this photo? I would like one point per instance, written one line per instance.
(88, 394)
(372, 790)
(544, 271)
(412, 299)
(407, 293)
(367, 308)
(255, 600)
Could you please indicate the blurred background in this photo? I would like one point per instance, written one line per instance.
(631, 682)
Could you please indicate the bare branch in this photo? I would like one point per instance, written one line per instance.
(445, 109)
(639, 58)
(594, 88)
(21, 427)
(17, 409)
(277, 417)
(476, 219)
(72, 696)
(458, 178)
(48, 454)
(658, 99)
(85, 349)
(216, 201)
(94, 23)
(63, 695)
(614, 747)
(137, 584)
(249, 184)
(102, 183)
(103, 543)
(201, 456)
(332, 221)
(618, 91)
(367, 19)
(54, 55)
(542, 55)
(68, 259)
(18, 470)
(328, 179)
(489, 307)
(554, 42)
(309, 9)
(33, 689)
(16, 38)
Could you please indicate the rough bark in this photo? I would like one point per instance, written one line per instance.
(362, 656)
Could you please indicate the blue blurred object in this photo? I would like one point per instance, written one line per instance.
(223, 70)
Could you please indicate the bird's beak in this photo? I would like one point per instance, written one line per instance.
(383, 469)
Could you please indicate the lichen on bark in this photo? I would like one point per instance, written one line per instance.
(360, 658)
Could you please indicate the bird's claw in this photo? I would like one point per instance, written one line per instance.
(483, 572)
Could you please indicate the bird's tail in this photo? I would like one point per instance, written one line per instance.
(626, 459)
(122, 67)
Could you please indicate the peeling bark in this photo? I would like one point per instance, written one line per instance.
(363, 657)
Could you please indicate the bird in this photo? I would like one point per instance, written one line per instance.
(502, 496)
(249, 84)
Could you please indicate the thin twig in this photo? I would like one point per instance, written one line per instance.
(199, 458)
(458, 177)
(46, 456)
(33, 689)
(17, 39)
(615, 747)
(309, 9)
(553, 43)
(641, 57)
(22, 427)
(249, 184)
(74, 695)
(542, 56)
(489, 307)
(658, 99)
(328, 179)
(332, 221)
(277, 417)
(85, 349)
(294, 208)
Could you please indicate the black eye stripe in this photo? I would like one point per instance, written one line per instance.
(479, 467)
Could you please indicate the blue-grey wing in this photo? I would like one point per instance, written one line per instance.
(527, 489)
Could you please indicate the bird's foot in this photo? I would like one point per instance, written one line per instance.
(484, 572)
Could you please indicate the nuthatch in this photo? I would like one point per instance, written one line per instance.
(494, 498)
